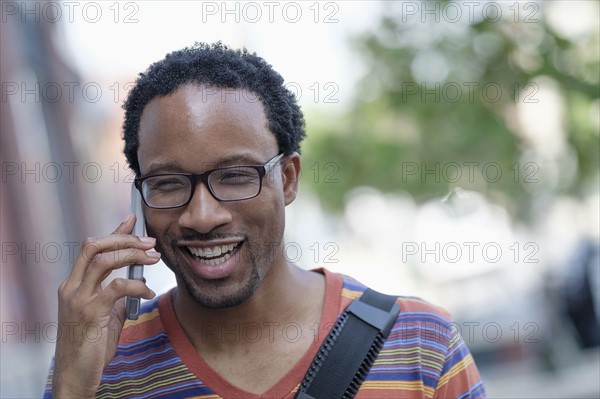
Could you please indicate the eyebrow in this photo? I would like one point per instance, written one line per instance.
(161, 166)
(240, 159)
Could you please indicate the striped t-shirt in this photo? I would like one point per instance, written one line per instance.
(423, 357)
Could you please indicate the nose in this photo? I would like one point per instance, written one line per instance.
(204, 212)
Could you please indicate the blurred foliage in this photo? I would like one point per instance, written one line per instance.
(441, 98)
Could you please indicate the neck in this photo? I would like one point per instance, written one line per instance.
(287, 294)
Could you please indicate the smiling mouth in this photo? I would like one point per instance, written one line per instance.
(214, 255)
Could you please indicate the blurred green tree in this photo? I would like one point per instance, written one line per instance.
(439, 107)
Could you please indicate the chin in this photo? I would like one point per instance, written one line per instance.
(220, 294)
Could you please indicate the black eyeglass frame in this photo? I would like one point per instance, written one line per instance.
(262, 170)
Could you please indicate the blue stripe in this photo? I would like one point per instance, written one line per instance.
(146, 370)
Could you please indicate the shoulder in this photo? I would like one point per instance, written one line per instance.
(352, 289)
(416, 315)
(423, 351)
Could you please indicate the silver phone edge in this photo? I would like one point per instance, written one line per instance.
(135, 271)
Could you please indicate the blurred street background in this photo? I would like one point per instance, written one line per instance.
(453, 153)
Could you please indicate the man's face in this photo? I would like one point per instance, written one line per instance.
(194, 130)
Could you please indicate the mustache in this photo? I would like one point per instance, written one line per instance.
(195, 236)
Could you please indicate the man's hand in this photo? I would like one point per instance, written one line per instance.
(90, 318)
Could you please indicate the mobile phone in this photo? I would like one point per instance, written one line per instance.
(135, 272)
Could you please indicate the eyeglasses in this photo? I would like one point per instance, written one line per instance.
(230, 183)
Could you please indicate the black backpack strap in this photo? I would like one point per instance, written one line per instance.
(350, 348)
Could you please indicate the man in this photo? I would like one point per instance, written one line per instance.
(214, 139)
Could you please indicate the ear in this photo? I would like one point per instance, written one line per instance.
(290, 172)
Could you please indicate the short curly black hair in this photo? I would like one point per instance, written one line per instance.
(220, 67)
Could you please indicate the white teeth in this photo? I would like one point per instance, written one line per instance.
(218, 261)
(214, 252)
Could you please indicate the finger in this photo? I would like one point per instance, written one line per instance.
(119, 288)
(106, 262)
(92, 247)
(126, 226)
(107, 274)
